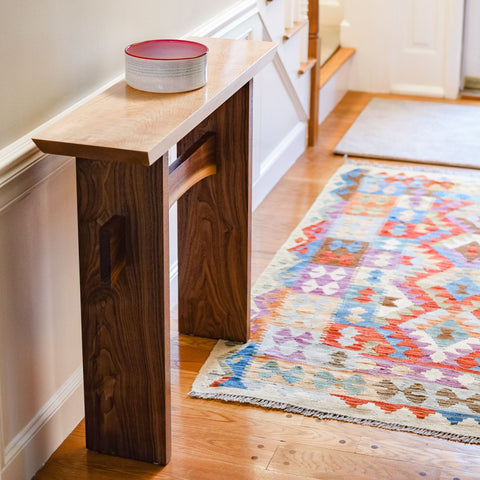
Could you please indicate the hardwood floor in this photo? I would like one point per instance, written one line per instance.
(216, 440)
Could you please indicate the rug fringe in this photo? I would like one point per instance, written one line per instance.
(456, 171)
(335, 416)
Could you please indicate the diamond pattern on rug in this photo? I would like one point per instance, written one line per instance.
(371, 311)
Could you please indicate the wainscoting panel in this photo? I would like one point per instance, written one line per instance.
(40, 349)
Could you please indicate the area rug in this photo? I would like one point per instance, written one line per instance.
(426, 132)
(370, 312)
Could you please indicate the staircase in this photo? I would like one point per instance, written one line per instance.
(333, 81)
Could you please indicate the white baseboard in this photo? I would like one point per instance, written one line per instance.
(333, 91)
(34, 444)
(278, 162)
(413, 89)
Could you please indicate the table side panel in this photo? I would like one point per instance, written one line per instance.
(125, 326)
(214, 230)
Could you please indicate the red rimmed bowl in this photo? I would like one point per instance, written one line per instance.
(166, 65)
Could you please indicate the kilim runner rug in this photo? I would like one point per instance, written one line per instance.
(370, 312)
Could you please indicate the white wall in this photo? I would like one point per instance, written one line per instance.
(331, 11)
(41, 398)
(58, 51)
(405, 46)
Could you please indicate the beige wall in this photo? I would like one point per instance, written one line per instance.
(55, 52)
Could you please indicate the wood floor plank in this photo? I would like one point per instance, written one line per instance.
(276, 426)
(324, 449)
(186, 467)
(229, 447)
(299, 459)
(412, 452)
(459, 475)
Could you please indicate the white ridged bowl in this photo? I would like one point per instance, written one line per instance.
(166, 66)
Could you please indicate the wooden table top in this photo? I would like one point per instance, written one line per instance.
(128, 125)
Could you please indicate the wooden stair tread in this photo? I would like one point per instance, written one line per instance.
(306, 66)
(297, 26)
(331, 67)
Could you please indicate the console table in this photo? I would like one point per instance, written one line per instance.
(125, 187)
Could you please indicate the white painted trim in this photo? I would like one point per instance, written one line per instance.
(334, 90)
(278, 162)
(454, 46)
(31, 178)
(16, 157)
(329, 3)
(290, 88)
(43, 416)
(227, 21)
(413, 89)
(21, 154)
(285, 77)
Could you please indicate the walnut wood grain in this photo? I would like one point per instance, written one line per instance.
(214, 230)
(113, 254)
(125, 326)
(197, 163)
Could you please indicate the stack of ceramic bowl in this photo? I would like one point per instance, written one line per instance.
(166, 65)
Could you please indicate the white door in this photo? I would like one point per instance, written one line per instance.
(426, 49)
(412, 47)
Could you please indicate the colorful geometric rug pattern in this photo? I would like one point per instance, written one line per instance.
(371, 311)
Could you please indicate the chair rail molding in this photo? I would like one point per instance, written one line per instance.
(20, 155)
(227, 21)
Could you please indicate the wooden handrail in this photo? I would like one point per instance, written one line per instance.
(314, 53)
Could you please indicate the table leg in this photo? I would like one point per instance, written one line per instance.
(123, 247)
(214, 230)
